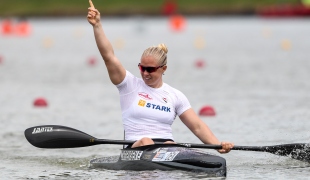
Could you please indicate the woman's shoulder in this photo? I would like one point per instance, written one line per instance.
(130, 78)
(128, 73)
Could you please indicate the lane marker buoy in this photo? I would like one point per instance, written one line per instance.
(40, 102)
(169, 7)
(200, 63)
(22, 28)
(286, 44)
(92, 61)
(48, 42)
(177, 22)
(207, 111)
(199, 42)
(7, 27)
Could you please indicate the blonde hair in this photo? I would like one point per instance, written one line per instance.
(158, 52)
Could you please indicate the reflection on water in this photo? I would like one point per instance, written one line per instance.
(255, 75)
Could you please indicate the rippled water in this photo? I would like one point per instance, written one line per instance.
(256, 76)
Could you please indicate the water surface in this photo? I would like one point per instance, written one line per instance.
(256, 76)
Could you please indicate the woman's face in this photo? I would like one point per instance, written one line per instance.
(152, 79)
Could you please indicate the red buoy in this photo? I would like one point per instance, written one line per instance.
(207, 111)
(40, 102)
(177, 22)
(199, 63)
(7, 27)
(169, 7)
(92, 61)
(22, 28)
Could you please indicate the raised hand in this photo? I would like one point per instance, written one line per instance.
(93, 16)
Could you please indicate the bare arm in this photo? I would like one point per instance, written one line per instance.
(202, 131)
(115, 69)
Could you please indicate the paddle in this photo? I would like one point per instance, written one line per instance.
(55, 136)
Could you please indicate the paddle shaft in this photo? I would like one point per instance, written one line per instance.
(270, 149)
(189, 145)
(283, 150)
(203, 146)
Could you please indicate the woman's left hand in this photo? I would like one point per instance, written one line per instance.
(226, 147)
(93, 16)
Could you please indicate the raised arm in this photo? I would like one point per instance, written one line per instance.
(115, 69)
(202, 131)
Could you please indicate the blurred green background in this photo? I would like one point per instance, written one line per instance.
(29, 8)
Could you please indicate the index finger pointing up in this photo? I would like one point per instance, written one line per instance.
(91, 4)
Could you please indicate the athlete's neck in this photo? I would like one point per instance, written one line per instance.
(158, 85)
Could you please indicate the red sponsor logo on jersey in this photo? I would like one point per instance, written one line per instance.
(144, 96)
(165, 99)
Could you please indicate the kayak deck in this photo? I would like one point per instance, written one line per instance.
(163, 157)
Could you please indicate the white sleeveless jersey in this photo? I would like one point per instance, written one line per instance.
(149, 112)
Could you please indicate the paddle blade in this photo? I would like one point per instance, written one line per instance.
(55, 136)
(299, 151)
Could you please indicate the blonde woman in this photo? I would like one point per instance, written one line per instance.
(149, 106)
